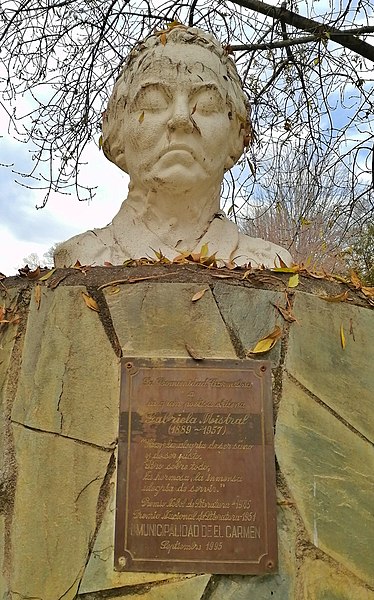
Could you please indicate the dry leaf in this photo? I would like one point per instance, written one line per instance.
(90, 302)
(14, 320)
(47, 275)
(281, 262)
(246, 274)
(355, 280)
(76, 265)
(294, 269)
(199, 295)
(368, 291)
(163, 38)
(293, 281)
(286, 314)
(204, 250)
(316, 275)
(268, 342)
(33, 274)
(2, 313)
(195, 124)
(192, 352)
(53, 283)
(114, 290)
(342, 336)
(339, 298)
(230, 265)
(38, 295)
(141, 117)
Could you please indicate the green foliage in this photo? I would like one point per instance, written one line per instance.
(360, 256)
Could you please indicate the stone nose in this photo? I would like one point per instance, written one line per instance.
(181, 117)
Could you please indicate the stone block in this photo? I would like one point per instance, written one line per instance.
(3, 584)
(250, 314)
(330, 472)
(188, 587)
(343, 379)
(160, 319)
(8, 334)
(320, 581)
(99, 573)
(280, 585)
(69, 380)
(54, 516)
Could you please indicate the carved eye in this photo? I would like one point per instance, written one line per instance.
(208, 101)
(151, 98)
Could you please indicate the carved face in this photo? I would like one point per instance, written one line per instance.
(177, 127)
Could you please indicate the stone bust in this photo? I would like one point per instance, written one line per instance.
(176, 121)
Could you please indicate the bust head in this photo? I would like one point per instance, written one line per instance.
(176, 121)
(178, 117)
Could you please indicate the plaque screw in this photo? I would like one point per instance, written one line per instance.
(128, 365)
(263, 368)
(270, 564)
(122, 561)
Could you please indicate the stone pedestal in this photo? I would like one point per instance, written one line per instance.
(59, 391)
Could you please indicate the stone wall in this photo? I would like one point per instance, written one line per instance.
(59, 392)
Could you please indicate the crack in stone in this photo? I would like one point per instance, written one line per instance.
(67, 437)
(327, 407)
(72, 585)
(23, 597)
(86, 486)
(137, 589)
(59, 401)
(101, 505)
(106, 319)
(210, 587)
(235, 340)
(9, 474)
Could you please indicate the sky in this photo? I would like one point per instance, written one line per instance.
(24, 229)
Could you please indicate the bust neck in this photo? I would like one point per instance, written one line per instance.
(178, 220)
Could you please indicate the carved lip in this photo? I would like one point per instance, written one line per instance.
(183, 147)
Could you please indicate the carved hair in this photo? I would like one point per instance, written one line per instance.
(141, 56)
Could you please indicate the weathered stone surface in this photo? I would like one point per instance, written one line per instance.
(69, 381)
(250, 314)
(3, 585)
(320, 581)
(160, 319)
(330, 472)
(191, 587)
(281, 585)
(343, 379)
(54, 518)
(8, 334)
(99, 573)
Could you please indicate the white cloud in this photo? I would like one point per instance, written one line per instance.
(24, 229)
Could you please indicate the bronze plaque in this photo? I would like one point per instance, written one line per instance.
(196, 473)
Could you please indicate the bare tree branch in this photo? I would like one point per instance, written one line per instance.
(347, 40)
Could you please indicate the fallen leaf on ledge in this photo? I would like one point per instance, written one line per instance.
(47, 275)
(338, 298)
(90, 302)
(342, 336)
(192, 352)
(199, 295)
(38, 295)
(267, 343)
(293, 281)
